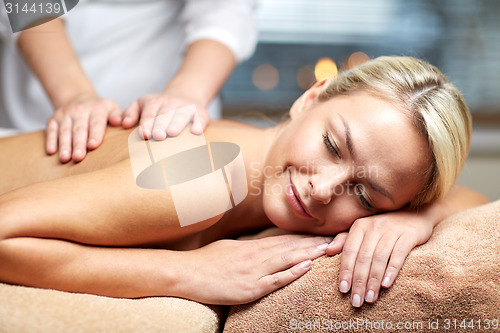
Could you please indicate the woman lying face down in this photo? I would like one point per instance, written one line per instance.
(374, 151)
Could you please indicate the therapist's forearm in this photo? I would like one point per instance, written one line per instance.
(48, 52)
(207, 65)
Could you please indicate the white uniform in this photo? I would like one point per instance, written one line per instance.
(128, 48)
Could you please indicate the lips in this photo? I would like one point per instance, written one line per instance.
(293, 198)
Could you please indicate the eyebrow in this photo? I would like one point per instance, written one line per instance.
(350, 148)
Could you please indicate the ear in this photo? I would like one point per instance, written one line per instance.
(309, 97)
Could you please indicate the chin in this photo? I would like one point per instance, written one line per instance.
(278, 215)
(278, 212)
(288, 223)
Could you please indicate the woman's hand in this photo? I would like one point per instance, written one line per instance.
(80, 125)
(164, 114)
(374, 250)
(237, 272)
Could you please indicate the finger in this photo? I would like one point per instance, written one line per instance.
(65, 133)
(80, 134)
(270, 283)
(115, 113)
(51, 136)
(379, 264)
(336, 246)
(362, 268)
(97, 123)
(398, 256)
(348, 259)
(286, 258)
(277, 244)
(200, 121)
(149, 110)
(161, 123)
(181, 118)
(131, 114)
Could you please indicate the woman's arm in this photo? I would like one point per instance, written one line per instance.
(80, 116)
(224, 272)
(68, 234)
(375, 248)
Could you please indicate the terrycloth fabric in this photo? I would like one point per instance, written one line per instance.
(29, 310)
(454, 277)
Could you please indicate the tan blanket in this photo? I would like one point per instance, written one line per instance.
(24, 309)
(451, 281)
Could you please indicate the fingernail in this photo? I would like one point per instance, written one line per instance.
(78, 152)
(356, 300)
(306, 264)
(92, 142)
(386, 282)
(344, 286)
(159, 134)
(329, 239)
(322, 247)
(370, 296)
(64, 154)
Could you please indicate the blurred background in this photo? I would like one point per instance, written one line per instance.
(303, 40)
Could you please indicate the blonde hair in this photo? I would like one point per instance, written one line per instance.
(435, 105)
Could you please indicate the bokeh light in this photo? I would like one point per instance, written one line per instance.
(265, 77)
(305, 77)
(356, 59)
(325, 68)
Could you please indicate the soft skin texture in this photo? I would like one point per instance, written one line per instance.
(85, 219)
(330, 183)
(81, 116)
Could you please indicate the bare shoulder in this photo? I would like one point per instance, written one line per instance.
(23, 160)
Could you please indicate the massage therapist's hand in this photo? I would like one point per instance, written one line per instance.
(79, 125)
(237, 272)
(374, 250)
(163, 115)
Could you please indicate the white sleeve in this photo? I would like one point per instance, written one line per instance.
(230, 22)
(6, 34)
(5, 27)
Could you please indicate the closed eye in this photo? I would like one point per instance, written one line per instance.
(359, 192)
(329, 145)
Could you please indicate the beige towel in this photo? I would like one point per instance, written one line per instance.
(24, 309)
(452, 280)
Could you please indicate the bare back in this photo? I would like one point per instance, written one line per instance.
(96, 201)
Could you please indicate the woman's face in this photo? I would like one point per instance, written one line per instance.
(340, 160)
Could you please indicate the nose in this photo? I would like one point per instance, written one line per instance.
(327, 184)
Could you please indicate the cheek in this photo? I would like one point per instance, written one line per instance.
(302, 135)
(273, 193)
(342, 215)
(408, 186)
